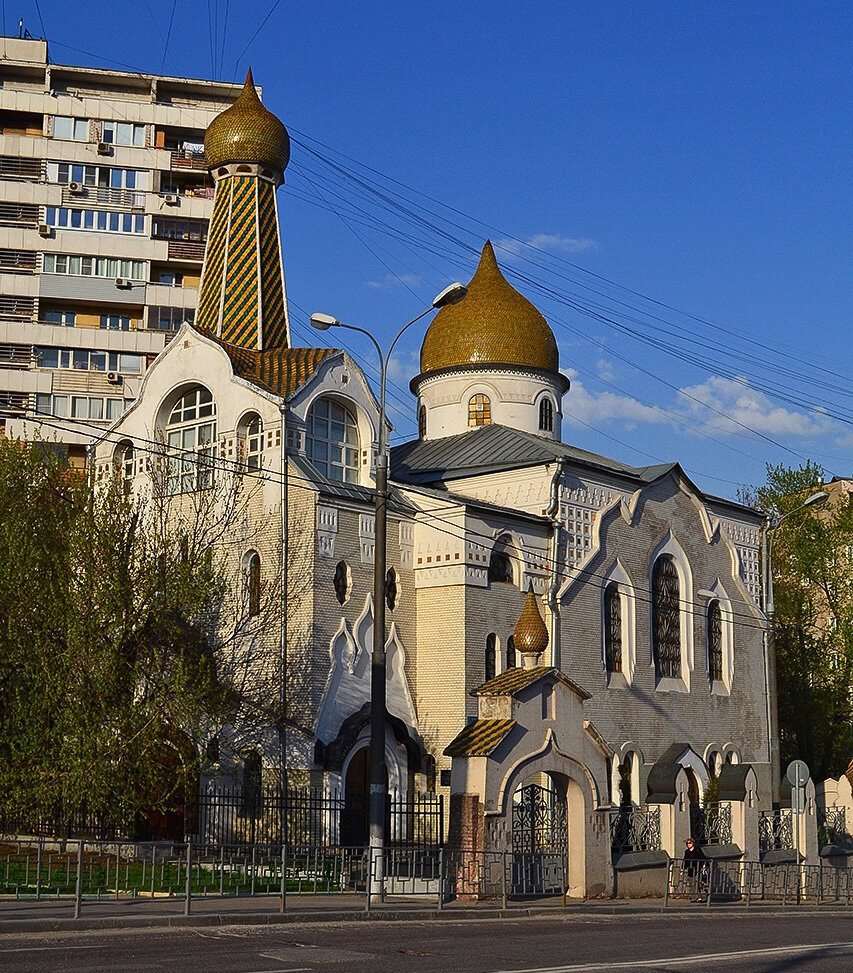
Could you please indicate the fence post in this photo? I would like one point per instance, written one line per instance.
(748, 873)
(819, 882)
(38, 870)
(440, 878)
(710, 881)
(189, 885)
(283, 877)
(666, 883)
(785, 888)
(369, 884)
(503, 880)
(153, 867)
(254, 870)
(78, 891)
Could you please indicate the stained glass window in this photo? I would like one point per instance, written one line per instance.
(666, 618)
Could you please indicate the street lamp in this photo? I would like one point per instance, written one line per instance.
(378, 784)
(769, 607)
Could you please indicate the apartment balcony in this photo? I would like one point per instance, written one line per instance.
(190, 250)
(18, 357)
(189, 160)
(143, 341)
(100, 291)
(15, 168)
(103, 197)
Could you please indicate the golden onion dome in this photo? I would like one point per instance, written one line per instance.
(247, 132)
(530, 635)
(492, 325)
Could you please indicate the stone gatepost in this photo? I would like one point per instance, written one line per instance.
(739, 787)
(671, 799)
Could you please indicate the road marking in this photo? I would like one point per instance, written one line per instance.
(697, 960)
(42, 949)
(290, 969)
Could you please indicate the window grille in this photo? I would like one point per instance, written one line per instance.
(666, 618)
(510, 653)
(613, 627)
(422, 422)
(479, 410)
(715, 640)
(546, 415)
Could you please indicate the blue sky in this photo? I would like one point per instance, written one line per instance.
(694, 155)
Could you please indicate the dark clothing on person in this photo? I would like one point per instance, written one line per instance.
(692, 857)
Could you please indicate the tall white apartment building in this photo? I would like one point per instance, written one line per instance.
(105, 200)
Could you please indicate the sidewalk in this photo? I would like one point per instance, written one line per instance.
(30, 916)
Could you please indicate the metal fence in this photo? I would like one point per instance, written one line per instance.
(725, 881)
(226, 817)
(85, 871)
(775, 830)
(832, 826)
(635, 829)
(711, 824)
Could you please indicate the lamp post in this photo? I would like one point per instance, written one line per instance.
(769, 607)
(378, 783)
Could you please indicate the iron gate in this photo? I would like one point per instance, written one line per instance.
(540, 839)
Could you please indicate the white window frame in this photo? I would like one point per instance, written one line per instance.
(628, 607)
(191, 462)
(349, 471)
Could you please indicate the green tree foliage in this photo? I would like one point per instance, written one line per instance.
(813, 587)
(106, 654)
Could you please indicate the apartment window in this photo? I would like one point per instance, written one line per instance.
(191, 438)
(168, 228)
(123, 133)
(79, 266)
(115, 322)
(331, 440)
(170, 278)
(169, 318)
(119, 361)
(87, 219)
(71, 129)
(666, 617)
(613, 628)
(65, 319)
(479, 410)
(546, 415)
(102, 177)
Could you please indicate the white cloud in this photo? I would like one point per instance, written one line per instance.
(549, 242)
(742, 406)
(403, 366)
(390, 281)
(593, 407)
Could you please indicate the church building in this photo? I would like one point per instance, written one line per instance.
(514, 558)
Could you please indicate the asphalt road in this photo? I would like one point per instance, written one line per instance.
(769, 943)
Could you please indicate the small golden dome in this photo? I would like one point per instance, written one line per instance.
(530, 635)
(247, 132)
(492, 325)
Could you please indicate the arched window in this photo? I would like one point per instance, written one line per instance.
(510, 653)
(391, 590)
(125, 460)
(500, 567)
(714, 628)
(626, 788)
(491, 656)
(613, 628)
(342, 582)
(479, 410)
(191, 441)
(422, 422)
(331, 440)
(252, 441)
(666, 618)
(252, 583)
(252, 778)
(546, 415)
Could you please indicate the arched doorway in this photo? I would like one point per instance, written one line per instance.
(540, 835)
(355, 815)
(694, 799)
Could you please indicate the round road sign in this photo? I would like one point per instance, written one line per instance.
(797, 768)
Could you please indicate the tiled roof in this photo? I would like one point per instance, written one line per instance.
(512, 681)
(279, 370)
(479, 738)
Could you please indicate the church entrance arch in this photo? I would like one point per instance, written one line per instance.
(355, 814)
(540, 835)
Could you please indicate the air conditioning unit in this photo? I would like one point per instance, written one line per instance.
(104, 148)
(75, 188)
(170, 199)
(122, 282)
(114, 378)
(44, 229)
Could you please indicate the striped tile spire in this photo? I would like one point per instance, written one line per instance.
(243, 300)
